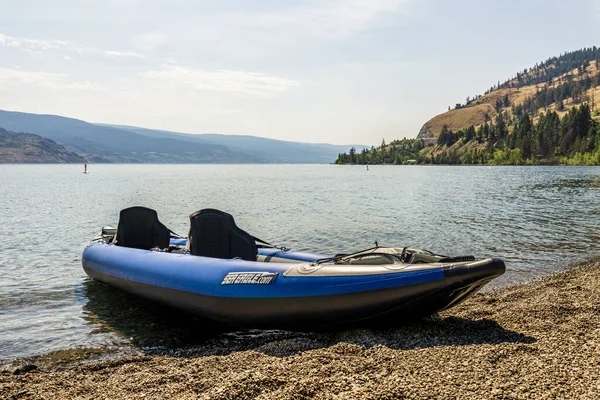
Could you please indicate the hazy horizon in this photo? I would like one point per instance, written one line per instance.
(339, 72)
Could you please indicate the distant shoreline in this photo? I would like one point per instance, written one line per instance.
(469, 165)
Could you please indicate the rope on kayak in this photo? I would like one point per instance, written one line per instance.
(339, 257)
(269, 245)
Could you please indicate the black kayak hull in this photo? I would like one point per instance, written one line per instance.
(383, 307)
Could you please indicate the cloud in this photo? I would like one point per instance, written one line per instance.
(110, 53)
(38, 45)
(10, 77)
(149, 41)
(32, 44)
(236, 82)
(333, 19)
(255, 32)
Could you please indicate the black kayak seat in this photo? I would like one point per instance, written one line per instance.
(139, 228)
(213, 233)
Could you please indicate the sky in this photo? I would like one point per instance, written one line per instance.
(337, 71)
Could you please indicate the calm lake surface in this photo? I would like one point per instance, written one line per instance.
(538, 219)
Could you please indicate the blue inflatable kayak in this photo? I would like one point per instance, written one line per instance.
(278, 288)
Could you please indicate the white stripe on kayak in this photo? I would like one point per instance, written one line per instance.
(262, 258)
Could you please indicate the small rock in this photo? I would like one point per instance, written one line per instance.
(25, 369)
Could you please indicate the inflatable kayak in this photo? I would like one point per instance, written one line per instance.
(223, 274)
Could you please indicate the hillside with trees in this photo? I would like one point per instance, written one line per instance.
(557, 84)
(548, 114)
(573, 139)
(29, 148)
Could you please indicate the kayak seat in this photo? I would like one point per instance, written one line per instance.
(139, 228)
(213, 233)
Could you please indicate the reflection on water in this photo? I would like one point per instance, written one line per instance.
(146, 325)
(160, 330)
(538, 219)
(583, 184)
(140, 322)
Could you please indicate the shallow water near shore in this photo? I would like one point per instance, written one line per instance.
(538, 219)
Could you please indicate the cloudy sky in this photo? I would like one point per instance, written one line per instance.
(336, 71)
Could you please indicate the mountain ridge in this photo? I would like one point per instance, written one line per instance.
(121, 126)
(286, 151)
(126, 144)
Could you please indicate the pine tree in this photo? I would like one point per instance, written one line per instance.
(443, 137)
(352, 155)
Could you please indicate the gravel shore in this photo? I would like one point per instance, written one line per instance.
(539, 340)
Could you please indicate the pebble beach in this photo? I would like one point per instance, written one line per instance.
(539, 340)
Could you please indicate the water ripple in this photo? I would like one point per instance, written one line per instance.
(538, 219)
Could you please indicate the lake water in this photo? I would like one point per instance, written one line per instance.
(538, 219)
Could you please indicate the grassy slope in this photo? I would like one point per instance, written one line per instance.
(475, 112)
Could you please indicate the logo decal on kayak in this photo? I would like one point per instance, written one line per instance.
(249, 278)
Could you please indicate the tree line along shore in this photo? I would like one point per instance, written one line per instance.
(573, 139)
(544, 115)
